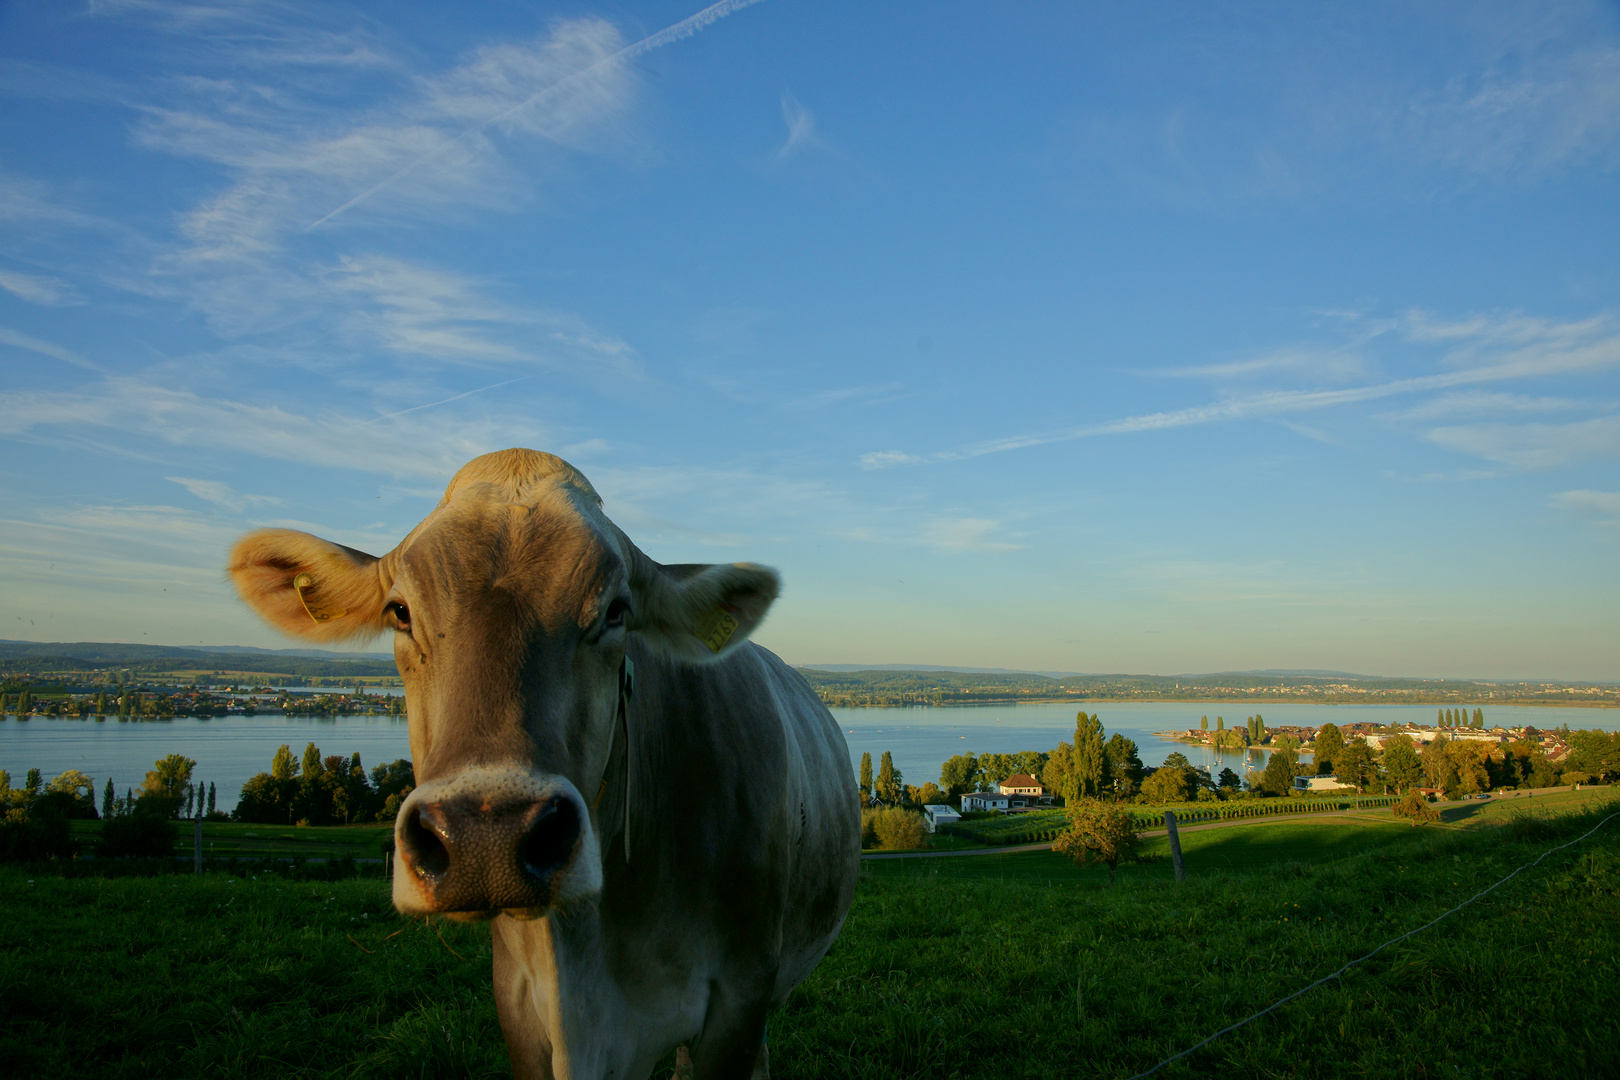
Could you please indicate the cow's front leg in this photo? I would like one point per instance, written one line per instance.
(528, 1042)
(732, 1046)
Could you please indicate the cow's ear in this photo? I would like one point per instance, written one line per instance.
(702, 612)
(309, 587)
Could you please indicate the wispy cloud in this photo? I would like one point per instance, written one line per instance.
(321, 436)
(966, 534)
(1539, 349)
(1604, 505)
(441, 316)
(19, 340)
(222, 494)
(37, 289)
(515, 114)
(1534, 446)
(1334, 365)
(1484, 403)
(801, 128)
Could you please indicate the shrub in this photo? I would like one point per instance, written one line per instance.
(1415, 808)
(27, 835)
(898, 829)
(140, 835)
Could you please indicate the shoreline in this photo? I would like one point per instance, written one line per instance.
(1033, 700)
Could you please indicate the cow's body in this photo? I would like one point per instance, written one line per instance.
(739, 805)
(661, 866)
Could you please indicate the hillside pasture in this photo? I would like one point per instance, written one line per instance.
(1006, 965)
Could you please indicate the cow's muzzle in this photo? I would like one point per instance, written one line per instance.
(475, 849)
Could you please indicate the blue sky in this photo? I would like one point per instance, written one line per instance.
(1056, 336)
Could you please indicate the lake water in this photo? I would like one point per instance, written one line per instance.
(228, 750)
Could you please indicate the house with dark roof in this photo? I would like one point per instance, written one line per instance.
(1021, 784)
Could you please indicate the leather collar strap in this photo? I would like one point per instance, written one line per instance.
(627, 685)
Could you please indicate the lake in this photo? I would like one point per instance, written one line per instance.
(228, 750)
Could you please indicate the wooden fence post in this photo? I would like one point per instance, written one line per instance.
(1175, 844)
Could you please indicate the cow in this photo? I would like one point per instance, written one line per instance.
(656, 815)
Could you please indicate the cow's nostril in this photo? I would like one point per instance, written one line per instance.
(423, 837)
(550, 841)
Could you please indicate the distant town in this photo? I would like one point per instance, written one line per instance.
(880, 688)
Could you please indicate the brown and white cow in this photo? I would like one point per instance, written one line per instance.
(658, 815)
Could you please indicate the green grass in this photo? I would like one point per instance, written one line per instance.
(224, 839)
(1005, 966)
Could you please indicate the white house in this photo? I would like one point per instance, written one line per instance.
(988, 800)
(1004, 801)
(1318, 783)
(935, 815)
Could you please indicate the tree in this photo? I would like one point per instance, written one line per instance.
(1220, 723)
(1440, 718)
(1229, 780)
(392, 778)
(266, 800)
(1058, 763)
(1402, 766)
(1099, 832)
(930, 795)
(1329, 747)
(888, 781)
(109, 799)
(1167, 784)
(1203, 723)
(1416, 809)
(866, 774)
(1436, 762)
(1356, 765)
(1030, 762)
(1086, 773)
(282, 765)
(312, 762)
(1281, 767)
(169, 777)
(1594, 752)
(211, 797)
(1123, 767)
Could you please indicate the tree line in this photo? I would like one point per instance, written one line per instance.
(1101, 766)
(334, 790)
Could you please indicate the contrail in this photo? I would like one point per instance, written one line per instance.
(446, 401)
(668, 35)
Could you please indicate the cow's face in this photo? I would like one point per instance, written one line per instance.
(511, 608)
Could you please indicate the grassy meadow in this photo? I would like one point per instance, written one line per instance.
(1007, 965)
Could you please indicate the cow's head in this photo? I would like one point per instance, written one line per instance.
(511, 606)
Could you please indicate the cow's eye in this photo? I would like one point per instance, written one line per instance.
(616, 612)
(402, 616)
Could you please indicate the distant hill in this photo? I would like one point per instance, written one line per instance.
(50, 656)
(939, 667)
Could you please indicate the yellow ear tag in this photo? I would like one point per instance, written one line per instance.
(307, 581)
(715, 629)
